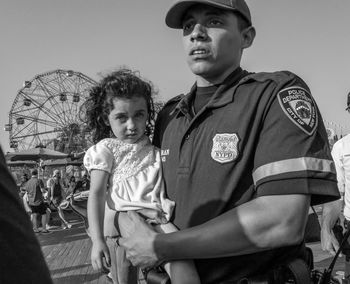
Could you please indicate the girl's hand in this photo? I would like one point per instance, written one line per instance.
(100, 257)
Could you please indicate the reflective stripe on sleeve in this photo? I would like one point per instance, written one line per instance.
(293, 165)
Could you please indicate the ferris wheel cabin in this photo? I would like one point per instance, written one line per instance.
(13, 144)
(27, 102)
(63, 97)
(76, 98)
(20, 120)
(8, 127)
(27, 84)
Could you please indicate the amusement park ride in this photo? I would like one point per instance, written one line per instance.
(45, 112)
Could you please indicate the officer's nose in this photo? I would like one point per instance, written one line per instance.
(199, 32)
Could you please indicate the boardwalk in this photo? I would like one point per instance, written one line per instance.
(67, 253)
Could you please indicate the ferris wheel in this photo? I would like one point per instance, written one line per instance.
(45, 112)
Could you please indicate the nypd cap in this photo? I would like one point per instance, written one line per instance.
(175, 14)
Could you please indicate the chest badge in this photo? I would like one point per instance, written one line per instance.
(300, 108)
(225, 147)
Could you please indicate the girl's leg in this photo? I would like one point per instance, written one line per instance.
(126, 272)
(112, 246)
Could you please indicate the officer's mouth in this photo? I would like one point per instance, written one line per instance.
(199, 52)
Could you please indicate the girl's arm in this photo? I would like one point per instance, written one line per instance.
(96, 209)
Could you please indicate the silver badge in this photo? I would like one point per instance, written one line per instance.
(225, 147)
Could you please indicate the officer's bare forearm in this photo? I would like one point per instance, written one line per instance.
(264, 223)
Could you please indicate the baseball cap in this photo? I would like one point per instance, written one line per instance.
(176, 12)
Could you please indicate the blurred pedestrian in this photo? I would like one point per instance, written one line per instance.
(35, 189)
(85, 182)
(24, 179)
(56, 190)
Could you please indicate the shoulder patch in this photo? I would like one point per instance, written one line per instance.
(300, 108)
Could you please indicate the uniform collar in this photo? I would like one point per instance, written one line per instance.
(220, 98)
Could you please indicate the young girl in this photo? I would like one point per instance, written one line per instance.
(125, 172)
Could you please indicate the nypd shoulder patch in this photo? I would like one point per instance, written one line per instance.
(300, 108)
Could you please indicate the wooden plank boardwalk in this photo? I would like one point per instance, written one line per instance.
(67, 253)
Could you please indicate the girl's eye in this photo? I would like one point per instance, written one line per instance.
(121, 118)
(140, 115)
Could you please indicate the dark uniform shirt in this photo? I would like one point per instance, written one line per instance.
(261, 136)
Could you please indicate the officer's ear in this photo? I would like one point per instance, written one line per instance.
(248, 35)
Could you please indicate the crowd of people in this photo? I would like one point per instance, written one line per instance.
(221, 192)
(41, 199)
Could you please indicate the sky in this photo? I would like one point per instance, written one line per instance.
(308, 37)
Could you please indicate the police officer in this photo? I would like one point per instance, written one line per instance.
(244, 154)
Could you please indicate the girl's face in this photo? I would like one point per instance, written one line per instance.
(128, 118)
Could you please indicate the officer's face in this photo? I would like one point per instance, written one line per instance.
(213, 42)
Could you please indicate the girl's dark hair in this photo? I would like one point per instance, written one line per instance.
(122, 83)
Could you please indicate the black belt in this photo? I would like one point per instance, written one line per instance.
(296, 271)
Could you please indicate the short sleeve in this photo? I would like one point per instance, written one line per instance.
(293, 154)
(99, 157)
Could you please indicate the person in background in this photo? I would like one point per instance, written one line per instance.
(85, 182)
(333, 211)
(35, 189)
(243, 154)
(24, 179)
(56, 195)
(72, 184)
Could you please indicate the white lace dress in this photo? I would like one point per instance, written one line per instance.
(135, 170)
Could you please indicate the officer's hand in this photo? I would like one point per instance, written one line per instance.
(138, 240)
